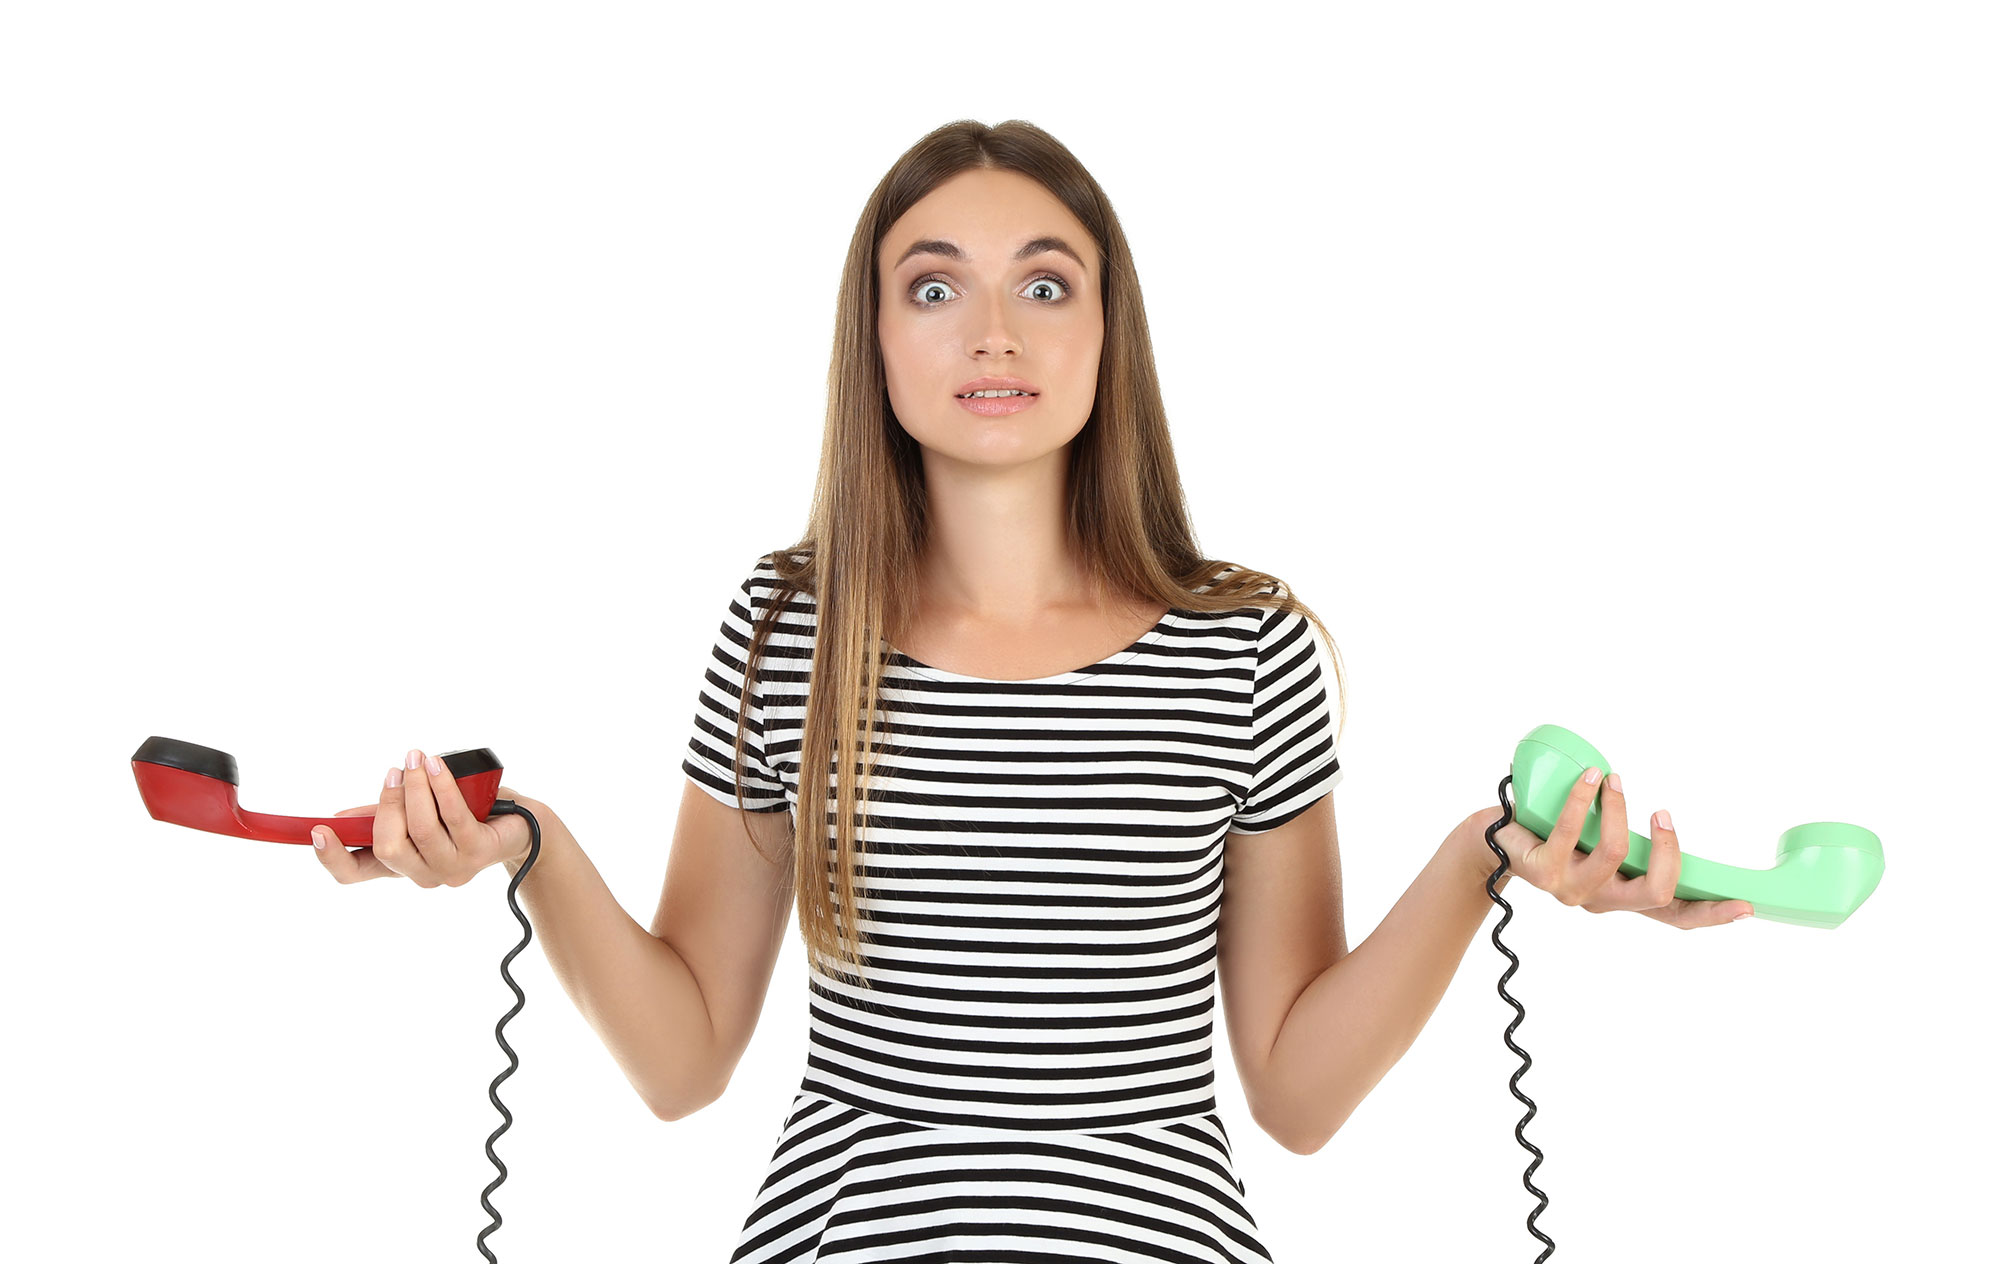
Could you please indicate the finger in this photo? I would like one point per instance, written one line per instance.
(1598, 873)
(366, 809)
(1688, 914)
(420, 814)
(1521, 845)
(467, 834)
(347, 866)
(1512, 838)
(458, 818)
(1569, 826)
(1663, 864)
(393, 846)
(1563, 838)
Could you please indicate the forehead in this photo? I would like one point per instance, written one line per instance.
(985, 216)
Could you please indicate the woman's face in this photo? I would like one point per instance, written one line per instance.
(969, 305)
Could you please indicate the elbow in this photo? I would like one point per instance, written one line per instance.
(1288, 1129)
(668, 1114)
(667, 1111)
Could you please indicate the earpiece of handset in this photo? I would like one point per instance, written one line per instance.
(1825, 869)
(186, 784)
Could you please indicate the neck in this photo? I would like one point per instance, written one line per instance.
(999, 548)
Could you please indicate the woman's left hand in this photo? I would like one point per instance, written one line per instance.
(1591, 879)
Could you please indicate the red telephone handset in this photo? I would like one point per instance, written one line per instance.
(195, 786)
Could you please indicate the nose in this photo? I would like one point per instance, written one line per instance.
(997, 337)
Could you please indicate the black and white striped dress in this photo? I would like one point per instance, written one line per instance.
(1031, 1077)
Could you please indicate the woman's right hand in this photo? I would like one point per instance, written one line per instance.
(424, 832)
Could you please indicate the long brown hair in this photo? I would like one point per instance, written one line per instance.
(867, 525)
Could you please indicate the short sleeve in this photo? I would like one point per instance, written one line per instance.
(1291, 726)
(712, 744)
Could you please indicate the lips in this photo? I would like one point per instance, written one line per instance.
(996, 405)
(996, 384)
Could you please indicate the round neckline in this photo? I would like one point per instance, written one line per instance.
(938, 673)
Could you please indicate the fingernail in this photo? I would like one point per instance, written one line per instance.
(410, 760)
(1590, 777)
(395, 778)
(1661, 819)
(1616, 784)
(431, 762)
(319, 840)
(1739, 917)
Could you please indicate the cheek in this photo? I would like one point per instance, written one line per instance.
(895, 355)
(903, 373)
(1083, 342)
(903, 348)
(1081, 364)
(887, 334)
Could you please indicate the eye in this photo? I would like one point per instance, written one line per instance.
(934, 282)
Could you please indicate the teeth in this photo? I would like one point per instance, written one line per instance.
(991, 394)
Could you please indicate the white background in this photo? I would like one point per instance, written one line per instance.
(391, 375)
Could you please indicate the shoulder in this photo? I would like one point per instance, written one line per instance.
(766, 588)
(766, 580)
(1262, 615)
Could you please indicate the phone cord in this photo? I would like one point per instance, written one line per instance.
(1507, 915)
(528, 934)
(508, 806)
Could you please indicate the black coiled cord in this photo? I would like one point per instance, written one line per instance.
(520, 999)
(1514, 963)
(528, 934)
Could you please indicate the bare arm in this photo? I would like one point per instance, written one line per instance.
(634, 989)
(1361, 1015)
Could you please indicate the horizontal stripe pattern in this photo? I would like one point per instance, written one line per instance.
(1044, 867)
(849, 1184)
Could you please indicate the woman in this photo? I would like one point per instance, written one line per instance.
(1024, 1062)
(1071, 727)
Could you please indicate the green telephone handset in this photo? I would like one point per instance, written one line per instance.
(1825, 869)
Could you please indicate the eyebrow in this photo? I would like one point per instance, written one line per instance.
(950, 250)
